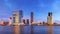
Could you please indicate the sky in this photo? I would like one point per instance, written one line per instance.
(39, 7)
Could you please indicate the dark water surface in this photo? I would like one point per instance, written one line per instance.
(29, 29)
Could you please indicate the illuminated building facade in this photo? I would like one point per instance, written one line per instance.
(49, 19)
(17, 16)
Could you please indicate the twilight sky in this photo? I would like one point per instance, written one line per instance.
(39, 7)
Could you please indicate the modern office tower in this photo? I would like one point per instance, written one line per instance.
(21, 16)
(27, 21)
(24, 21)
(17, 16)
(49, 19)
(32, 17)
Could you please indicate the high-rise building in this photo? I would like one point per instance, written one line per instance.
(17, 16)
(24, 21)
(21, 16)
(49, 18)
(27, 21)
(32, 17)
(10, 20)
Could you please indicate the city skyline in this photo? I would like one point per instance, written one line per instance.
(39, 7)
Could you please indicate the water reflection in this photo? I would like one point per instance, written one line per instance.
(32, 30)
(50, 30)
(16, 29)
(21, 29)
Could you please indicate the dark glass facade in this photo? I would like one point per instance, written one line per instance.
(50, 13)
(32, 15)
(13, 19)
(27, 21)
(24, 21)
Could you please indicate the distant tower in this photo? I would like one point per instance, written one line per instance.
(24, 21)
(32, 17)
(10, 20)
(27, 21)
(17, 16)
(49, 18)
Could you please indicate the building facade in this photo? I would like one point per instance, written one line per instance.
(24, 21)
(17, 16)
(49, 18)
(32, 17)
(27, 21)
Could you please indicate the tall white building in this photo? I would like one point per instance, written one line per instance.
(17, 16)
(49, 18)
(10, 20)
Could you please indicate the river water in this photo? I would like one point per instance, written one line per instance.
(29, 29)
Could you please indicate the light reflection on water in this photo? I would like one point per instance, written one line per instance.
(29, 29)
(50, 30)
(16, 29)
